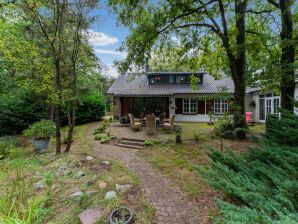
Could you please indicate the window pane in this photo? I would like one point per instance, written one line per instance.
(171, 79)
(275, 105)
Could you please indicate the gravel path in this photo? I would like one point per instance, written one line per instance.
(171, 205)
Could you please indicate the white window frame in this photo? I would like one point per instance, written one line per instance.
(220, 106)
(188, 106)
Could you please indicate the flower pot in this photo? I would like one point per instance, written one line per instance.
(41, 145)
(121, 215)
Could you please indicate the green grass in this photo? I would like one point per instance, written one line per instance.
(51, 205)
(188, 129)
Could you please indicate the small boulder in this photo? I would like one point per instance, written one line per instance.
(91, 215)
(89, 193)
(123, 187)
(66, 172)
(105, 162)
(61, 170)
(89, 158)
(90, 182)
(102, 185)
(110, 195)
(38, 186)
(76, 194)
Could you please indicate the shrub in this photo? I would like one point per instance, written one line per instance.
(228, 134)
(7, 143)
(198, 137)
(103, 137)
(283, 130)
(90, 108)
(149, 142)
(19, 110)
(241, 133)
(222, 125)
(41, 129)
(102, 128)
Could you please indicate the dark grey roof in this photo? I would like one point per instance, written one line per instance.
(137, 85)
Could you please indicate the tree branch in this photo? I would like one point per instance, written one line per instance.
(274, 3)
(258, 12)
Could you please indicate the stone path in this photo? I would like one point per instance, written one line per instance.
(170, 204)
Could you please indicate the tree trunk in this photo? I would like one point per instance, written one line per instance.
(71, 125)
(57, 107)
(238, 65)
(287, 82)
(58, 134)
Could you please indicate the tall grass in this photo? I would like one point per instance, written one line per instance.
(16, 206)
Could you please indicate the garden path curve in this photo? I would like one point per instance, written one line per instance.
(171, 205)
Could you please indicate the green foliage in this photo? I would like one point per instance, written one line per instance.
(17, 207)
(198, 137)
(149, 142)
(18, 110)
(7, 143)
(228, 134)
(241, 133)
(261, 184)
(91, 108)
(103, 137)
(283, 130)
(223, 124)
(41, 129)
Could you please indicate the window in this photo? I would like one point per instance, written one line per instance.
(220, 106)
(275, 105)
(189, 106)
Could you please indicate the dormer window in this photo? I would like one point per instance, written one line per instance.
(173, 78)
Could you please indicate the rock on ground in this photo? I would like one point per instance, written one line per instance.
(110, 195)
(125, 187)
(91, 215)
(88, 158)
(76, 194)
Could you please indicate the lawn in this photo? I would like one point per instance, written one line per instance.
(50, 203)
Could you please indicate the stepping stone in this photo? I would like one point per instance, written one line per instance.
(102, 185)
(105, 162)
(89, 158)
(91, 215)
(76, 194)
(125, 187)
(110, 195)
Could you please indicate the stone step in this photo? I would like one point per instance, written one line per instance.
(129, 146)
(126, 142)
(132, 140)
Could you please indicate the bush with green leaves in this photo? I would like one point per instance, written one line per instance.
(90, 108)
(283, 130)
(18, 110)
(103, 137)
(223, 124)
(260, 186)
(241, 133)
(7, 143)
(41, 129)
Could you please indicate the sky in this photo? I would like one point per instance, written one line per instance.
(106, 37)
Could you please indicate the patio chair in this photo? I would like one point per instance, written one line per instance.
(170, 124)
(133, 124)
(150, 124)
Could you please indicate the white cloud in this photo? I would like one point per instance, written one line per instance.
(100, 38)
(103, 51)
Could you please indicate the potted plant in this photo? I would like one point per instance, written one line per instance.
(178, 131)
(121, 215)
(41, 132)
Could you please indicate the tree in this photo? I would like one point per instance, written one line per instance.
(288, 48)
(214, 24)
(61, 23)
